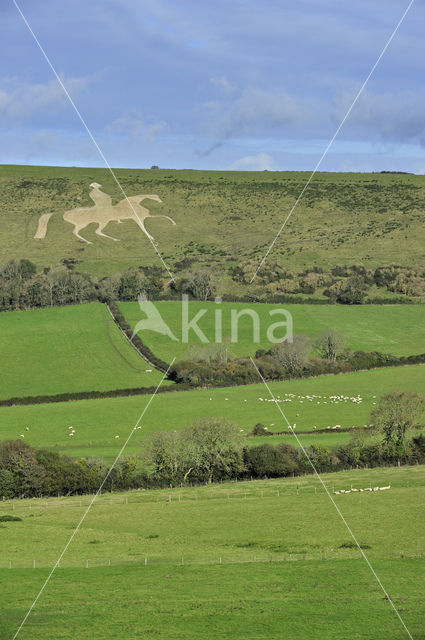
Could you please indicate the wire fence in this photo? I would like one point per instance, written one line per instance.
(188, 495)
(151, 560)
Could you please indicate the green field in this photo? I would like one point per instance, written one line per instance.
(67, 349)
(97, 422)
(221, 218)
(399, 330)
(263, 559)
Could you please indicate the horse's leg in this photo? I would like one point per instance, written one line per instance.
(141, 224)
(77, 228)
(101, 226)
(161, 215)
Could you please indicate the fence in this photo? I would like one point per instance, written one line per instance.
(149, 561)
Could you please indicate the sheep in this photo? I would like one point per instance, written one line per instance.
(22, 435)
(70, 434)
(337, 493)
(27, 428)
(116, 437)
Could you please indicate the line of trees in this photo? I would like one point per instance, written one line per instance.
(214, 365)
(343, 284)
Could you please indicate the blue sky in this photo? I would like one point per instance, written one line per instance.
(232, 84)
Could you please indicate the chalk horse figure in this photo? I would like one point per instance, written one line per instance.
(103, 212)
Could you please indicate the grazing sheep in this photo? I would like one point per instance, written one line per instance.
(116, 437)
(27, 428)
(22, 435)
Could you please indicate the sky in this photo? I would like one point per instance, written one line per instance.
(217, 84)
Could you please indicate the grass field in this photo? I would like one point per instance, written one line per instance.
(399, 330)
(97, 422)
(295, 577)
(66, 349)
(221, 218)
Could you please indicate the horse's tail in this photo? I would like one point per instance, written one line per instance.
(42, 226)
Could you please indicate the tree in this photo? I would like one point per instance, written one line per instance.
(216, 448)
(209, 449)
(353, 291)
(200, 286)
(397, 412)
(292, 354)
(330, 344)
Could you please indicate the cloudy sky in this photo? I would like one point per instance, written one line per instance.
(218, 84)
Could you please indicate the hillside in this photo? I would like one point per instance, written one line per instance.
(222, 218)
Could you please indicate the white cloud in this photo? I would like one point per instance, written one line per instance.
(254, 110)
(258, 162)
(133, 124)
(20, 100)
(223, 84)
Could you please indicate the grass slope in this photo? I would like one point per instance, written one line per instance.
(293, 578)
(221, 217)
(97, 422)
(66, 349)
(393, 329)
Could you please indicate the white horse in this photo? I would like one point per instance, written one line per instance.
(103, 212)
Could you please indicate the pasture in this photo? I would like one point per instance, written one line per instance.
(205, 557)
(321, 402)
(396, 329)
(67, 349)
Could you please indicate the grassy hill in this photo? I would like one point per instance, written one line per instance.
(97, 422)
(261, 559)
(66, 349)
(399, 330)
(221, 218)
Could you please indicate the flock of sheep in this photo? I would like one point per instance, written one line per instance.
(353, 490)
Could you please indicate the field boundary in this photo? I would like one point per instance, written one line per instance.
(175, 387)
(141, 348)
